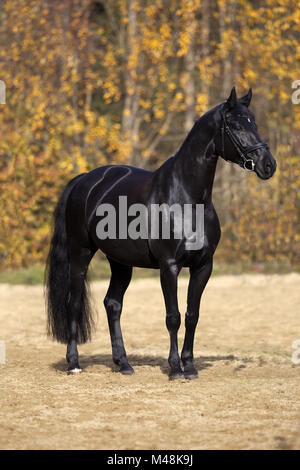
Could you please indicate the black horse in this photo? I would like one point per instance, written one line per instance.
(229, 131)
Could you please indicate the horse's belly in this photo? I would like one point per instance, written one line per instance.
(128, 252)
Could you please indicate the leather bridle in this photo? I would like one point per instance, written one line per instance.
(247, 163)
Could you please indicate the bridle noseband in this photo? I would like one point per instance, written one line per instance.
(247, 163)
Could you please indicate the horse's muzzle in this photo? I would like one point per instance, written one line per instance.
(266, 167)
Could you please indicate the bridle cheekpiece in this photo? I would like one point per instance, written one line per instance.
(247, 163)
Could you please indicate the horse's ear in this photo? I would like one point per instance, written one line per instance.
(247, 98)
(231, 102)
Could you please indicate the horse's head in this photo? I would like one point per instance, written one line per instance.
(239, 141)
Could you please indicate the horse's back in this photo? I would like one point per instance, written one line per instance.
(105, 185)
(101, 183)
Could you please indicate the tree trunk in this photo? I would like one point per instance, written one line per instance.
(189, 64)
(130, 127)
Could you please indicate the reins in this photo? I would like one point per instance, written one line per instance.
(248, 164)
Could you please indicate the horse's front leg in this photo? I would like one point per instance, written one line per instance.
(198, 281)
(168, 276)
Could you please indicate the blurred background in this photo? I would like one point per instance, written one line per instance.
(121, 81)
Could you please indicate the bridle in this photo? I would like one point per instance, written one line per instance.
(247, 163)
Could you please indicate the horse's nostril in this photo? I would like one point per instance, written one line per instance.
(268, 167)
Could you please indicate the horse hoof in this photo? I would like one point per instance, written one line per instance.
(127, 370)
(74, 371)
(191, 376)
(176, 376)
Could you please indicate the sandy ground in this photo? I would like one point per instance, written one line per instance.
(246, 397)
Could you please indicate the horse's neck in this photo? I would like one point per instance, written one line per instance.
(194, 165)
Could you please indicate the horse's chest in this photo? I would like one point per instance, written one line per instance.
(211, 238)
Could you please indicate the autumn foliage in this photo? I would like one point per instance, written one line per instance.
(96, 82)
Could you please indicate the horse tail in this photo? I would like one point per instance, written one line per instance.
(57, 280)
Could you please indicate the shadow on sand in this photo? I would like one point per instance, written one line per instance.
(202, 362)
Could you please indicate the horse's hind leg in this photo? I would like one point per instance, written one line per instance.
(120, 279)
(79, 320)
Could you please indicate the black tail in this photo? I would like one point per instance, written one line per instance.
(57, 280)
